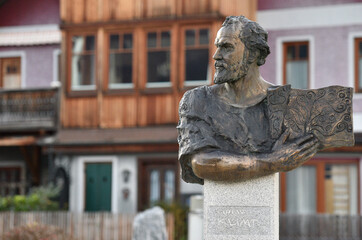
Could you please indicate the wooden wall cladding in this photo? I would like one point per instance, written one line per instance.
(138, 107)
(192, 7)
(80, 112)
(81, 11)
(158, 8)
(157, 109)
(238, 7)
(119, 112)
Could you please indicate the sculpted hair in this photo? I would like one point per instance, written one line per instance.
(254, 37)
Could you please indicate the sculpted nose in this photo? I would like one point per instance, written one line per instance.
(217, 55)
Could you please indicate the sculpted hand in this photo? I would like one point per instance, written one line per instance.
(290, 155)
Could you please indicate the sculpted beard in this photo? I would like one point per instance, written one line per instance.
(231, 73)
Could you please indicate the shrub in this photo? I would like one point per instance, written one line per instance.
(38, 200)
(35, 231)
(4, 203)
(180, 214)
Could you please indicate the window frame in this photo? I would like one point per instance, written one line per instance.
(298, 43)
(159, 163)
(79, 92)
(127, 88)
(183, 83)
(22, 56)
(2, 59)
(158, 85)
(320, 164)
(22, 178)
(357, 56)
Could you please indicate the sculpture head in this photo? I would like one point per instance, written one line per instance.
(240, 43)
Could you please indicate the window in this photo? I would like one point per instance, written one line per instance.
(341, 188)
(301, 190)
(162, 184)
(158, 58)
(10, 75)
(12, 181)
(321, 185)
(83, 63)
(158, 182)
(296, 64)
(358, 64)
(197, 68)
(120, 61)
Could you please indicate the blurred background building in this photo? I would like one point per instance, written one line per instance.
(123, 67)
(29, 58)
(126, 65)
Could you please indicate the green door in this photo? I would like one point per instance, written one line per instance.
(98, 187)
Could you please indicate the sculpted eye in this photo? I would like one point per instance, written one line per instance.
(228, 47)
(225, 46)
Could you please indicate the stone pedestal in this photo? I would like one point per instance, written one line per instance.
(246, 210)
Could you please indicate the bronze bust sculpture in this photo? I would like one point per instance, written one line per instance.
(245, 127)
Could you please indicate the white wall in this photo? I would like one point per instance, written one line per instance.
(119, 163)
(311, 17)
(74, 186)
(127, 205)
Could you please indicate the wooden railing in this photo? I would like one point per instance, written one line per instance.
(81, 226)
(323, 226)
(29, 109)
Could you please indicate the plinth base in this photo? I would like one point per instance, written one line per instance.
(246, 210)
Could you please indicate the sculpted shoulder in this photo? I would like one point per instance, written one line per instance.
(194, 100)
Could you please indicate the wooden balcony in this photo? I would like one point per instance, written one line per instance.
(29, 110)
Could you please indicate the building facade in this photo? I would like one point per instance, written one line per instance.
(29, 52)
(126, 65)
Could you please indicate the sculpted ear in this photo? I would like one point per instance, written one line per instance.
(261, 61)
(253, 56)
(262, 54)
(257, 57)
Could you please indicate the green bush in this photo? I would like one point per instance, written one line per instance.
(180, 214)
(36, 231)
(37, 200)
(5, 203)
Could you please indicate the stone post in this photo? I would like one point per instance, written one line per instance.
(247, 210)
(195, 221)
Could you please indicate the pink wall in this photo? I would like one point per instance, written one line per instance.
(29, 12)
(278, 4)
(331, 55)
(38, 64)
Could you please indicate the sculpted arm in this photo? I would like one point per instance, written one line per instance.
(218, 165)
(223, 166)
